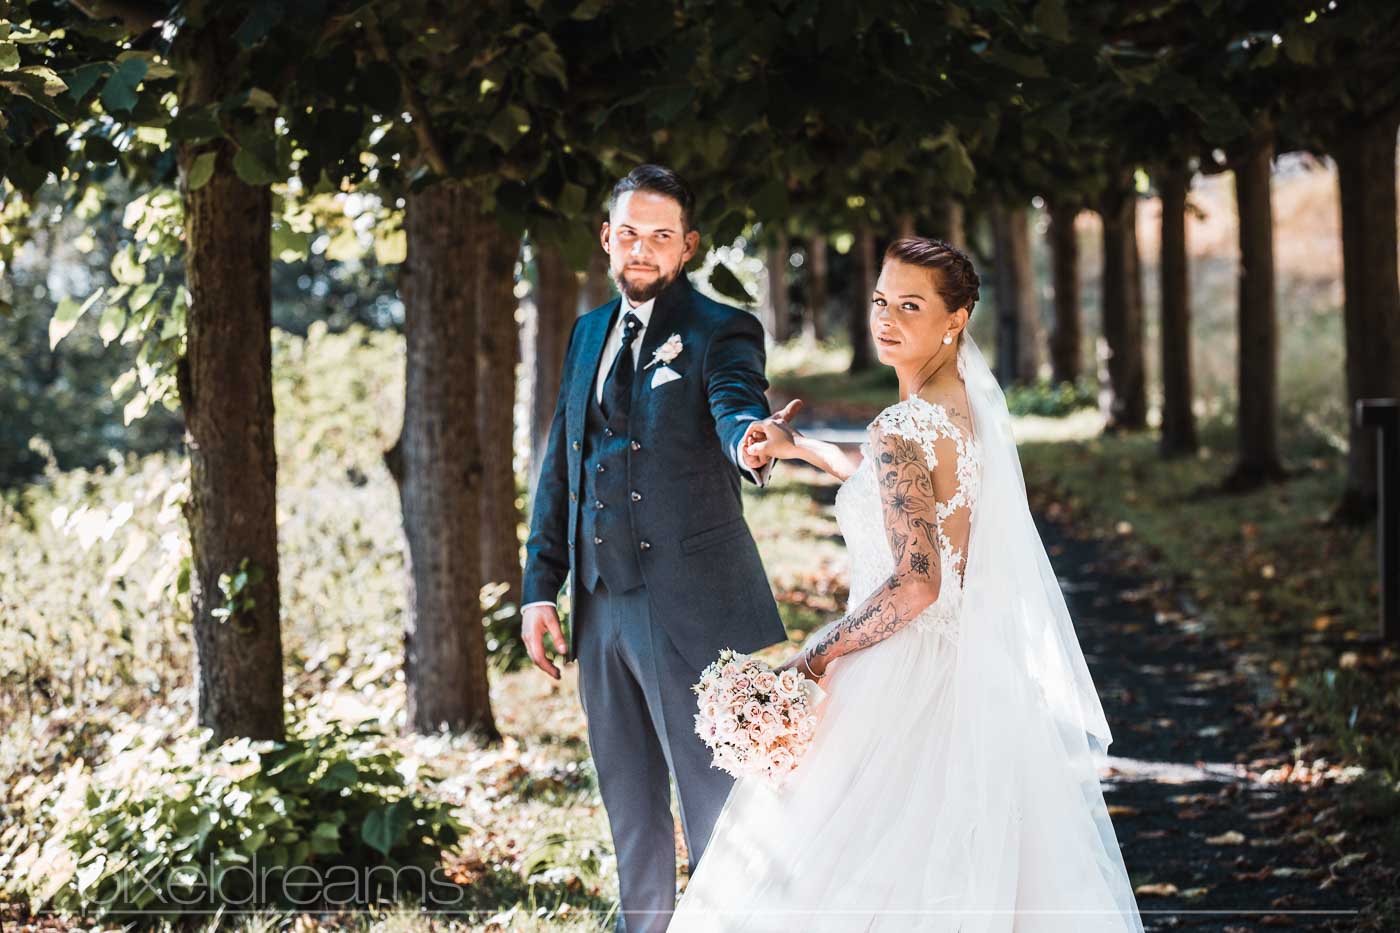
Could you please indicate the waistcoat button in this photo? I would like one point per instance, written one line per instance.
(636, 496)
(597, 540)
(636, 446)
(645, 545)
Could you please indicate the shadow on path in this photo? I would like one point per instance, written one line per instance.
(1221, 846)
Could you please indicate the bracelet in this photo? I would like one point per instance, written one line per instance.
(803, 659)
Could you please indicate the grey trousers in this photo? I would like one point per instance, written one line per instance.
(635, 691)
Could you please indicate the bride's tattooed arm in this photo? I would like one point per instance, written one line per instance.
(910, 510)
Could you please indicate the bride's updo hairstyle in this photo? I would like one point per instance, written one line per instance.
(954, 277)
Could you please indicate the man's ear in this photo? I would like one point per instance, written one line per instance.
(692, 243)
(603, 236)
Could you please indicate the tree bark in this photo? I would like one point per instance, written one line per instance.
(1066, 337)
(1365, 159)
(225, 387)
(779, 309)
(1122, 308)
(817, 292)
(498, 343)
(437, 463)
(906, 224)
(1257, 421)
(556, 306)
(1178, 420)
(948, 222)
(1019, 334)
(598, 285)
(867, 273)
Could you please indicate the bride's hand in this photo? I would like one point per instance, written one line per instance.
(774, 439)
(812, 670)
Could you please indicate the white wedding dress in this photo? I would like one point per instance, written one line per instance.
(880, 829)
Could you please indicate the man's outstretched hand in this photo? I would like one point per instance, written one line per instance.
(536, 621)
(765, 430)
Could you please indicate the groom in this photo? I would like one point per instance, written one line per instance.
(638, 504)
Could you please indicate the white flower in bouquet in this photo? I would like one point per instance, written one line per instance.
(756, 721)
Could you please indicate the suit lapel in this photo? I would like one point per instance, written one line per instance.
(591, 352)
(666, 315)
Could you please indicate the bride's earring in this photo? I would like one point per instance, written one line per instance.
(947, 338)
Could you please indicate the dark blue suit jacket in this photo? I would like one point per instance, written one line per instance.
(706, 583)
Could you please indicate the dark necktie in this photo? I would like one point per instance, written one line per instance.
(617, 388)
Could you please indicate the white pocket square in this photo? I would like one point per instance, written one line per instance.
(664, 375)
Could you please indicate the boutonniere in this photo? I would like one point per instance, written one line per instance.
(667, 352)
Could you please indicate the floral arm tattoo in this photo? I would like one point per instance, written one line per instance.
(910, 510)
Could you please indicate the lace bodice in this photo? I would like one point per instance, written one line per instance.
(954, 460)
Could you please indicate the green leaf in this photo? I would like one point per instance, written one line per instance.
(572, 200)
(261, 20)
(143, 295)
(510, 123)
(727, 284)
(195, 125)
(252, 170)
(66, 316)
(385, 826)
(119, 93)
(81, 80)
(259, 99)
(1051, 19)
(9, 56)
(202, 170)
(125, 268)
(109, 326)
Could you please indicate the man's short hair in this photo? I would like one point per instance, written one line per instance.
(661, 180)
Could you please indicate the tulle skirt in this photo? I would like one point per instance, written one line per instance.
(876, 830)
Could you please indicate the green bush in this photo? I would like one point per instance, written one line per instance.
(1051, 399)
(321, 820)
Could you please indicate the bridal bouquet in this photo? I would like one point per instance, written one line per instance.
(755, 721)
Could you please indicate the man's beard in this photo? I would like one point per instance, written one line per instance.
(640, 294)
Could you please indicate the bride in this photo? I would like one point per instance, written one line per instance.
(952, 781)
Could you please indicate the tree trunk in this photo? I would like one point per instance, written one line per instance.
(948, 222)
(779, 311)
(598, 286)
(906, 224)
(816, 287)
(1064, 258)
(498, 342)
(1019, 335)
(1122, 309)
(556, 306)
(437, 463)
(225, 387)
(1366, 182)
(1257, 421)
(867, 272)
(1178, 420)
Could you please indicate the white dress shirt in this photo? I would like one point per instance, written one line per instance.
(612, 346)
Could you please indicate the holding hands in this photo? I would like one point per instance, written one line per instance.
(773, 438)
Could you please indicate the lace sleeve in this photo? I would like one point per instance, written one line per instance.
(910, 507)
(952, 459)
